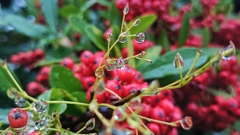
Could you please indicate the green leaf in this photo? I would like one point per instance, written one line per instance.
(87, 5)
(25, 27)
(206, 35)
(5, 81)
(151, 53)
(163, 40)
(50, 11)
(91, 31)
(196, 8)
(60, 108)
(31, 8)
(184, 30)
(237, 125)
(146, 21)
(61, 77)
(68, 10)
(96, 36)
(163, 65)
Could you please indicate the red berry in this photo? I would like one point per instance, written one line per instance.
(154, 128)
(88, 82)
(145, 110)
(67, 62)
(33, 89)
(127, 75)
(34, 133)
(157, 113)
(166, 105)
(38, 54)
(87, 57)
(17, 118)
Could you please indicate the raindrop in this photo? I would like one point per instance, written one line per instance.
(99, 72)
(90, 124)
(21, 3)
(126, 9)
(136, 22)
(186, 123)
(120, 113)
(109, 64)
(40, 106)
(31, 18)
(8, 28)
(177, 59)
(100, 86)
(20, 101)
(228, 51)
(123, 37)
(120, 63)
(12, 93)
(109, 36)
(40, 124)
(140, 37)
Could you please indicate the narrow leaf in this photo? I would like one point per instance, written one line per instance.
(184, 30)
(25, 27)
(50, 11)
(68, 10)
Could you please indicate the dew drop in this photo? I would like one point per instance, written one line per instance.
(90, 124)
(136, 22)
(119, 114)
(99, 72)
(123, 37)
(100, 86)
(126, 9)
(40, 106)
(20, 101)
(120, 63)
(228, 51)
(109, 65)
(177, 59)
(186, 123)
(40, 124)
(140, 37)
(12, 93)
(31, 18)
(109, 36)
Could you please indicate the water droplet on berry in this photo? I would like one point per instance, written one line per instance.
(109, 36)
(120, 114)
(40, 106)
(140, 37)
(178, 60)
(109, 65)
(137, 22)
(126, 9)
(123, 37)
(228, 51)
(20, 101)
(120, 63)
(90, 124)
(99, 72)
(186, 123)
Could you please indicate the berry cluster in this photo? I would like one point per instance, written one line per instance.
(28, 58)
(159, 107)
(212, 99)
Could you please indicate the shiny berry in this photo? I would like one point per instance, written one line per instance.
(154, 128)
(87, 57)
(17, 118)
(33, 89)
(67, 62)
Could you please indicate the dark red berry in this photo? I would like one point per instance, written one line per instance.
(67, 62)
(17, 118)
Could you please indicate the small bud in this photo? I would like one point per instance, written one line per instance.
(99, 72)
(123, 37)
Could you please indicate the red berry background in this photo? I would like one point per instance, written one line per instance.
(52, 50)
